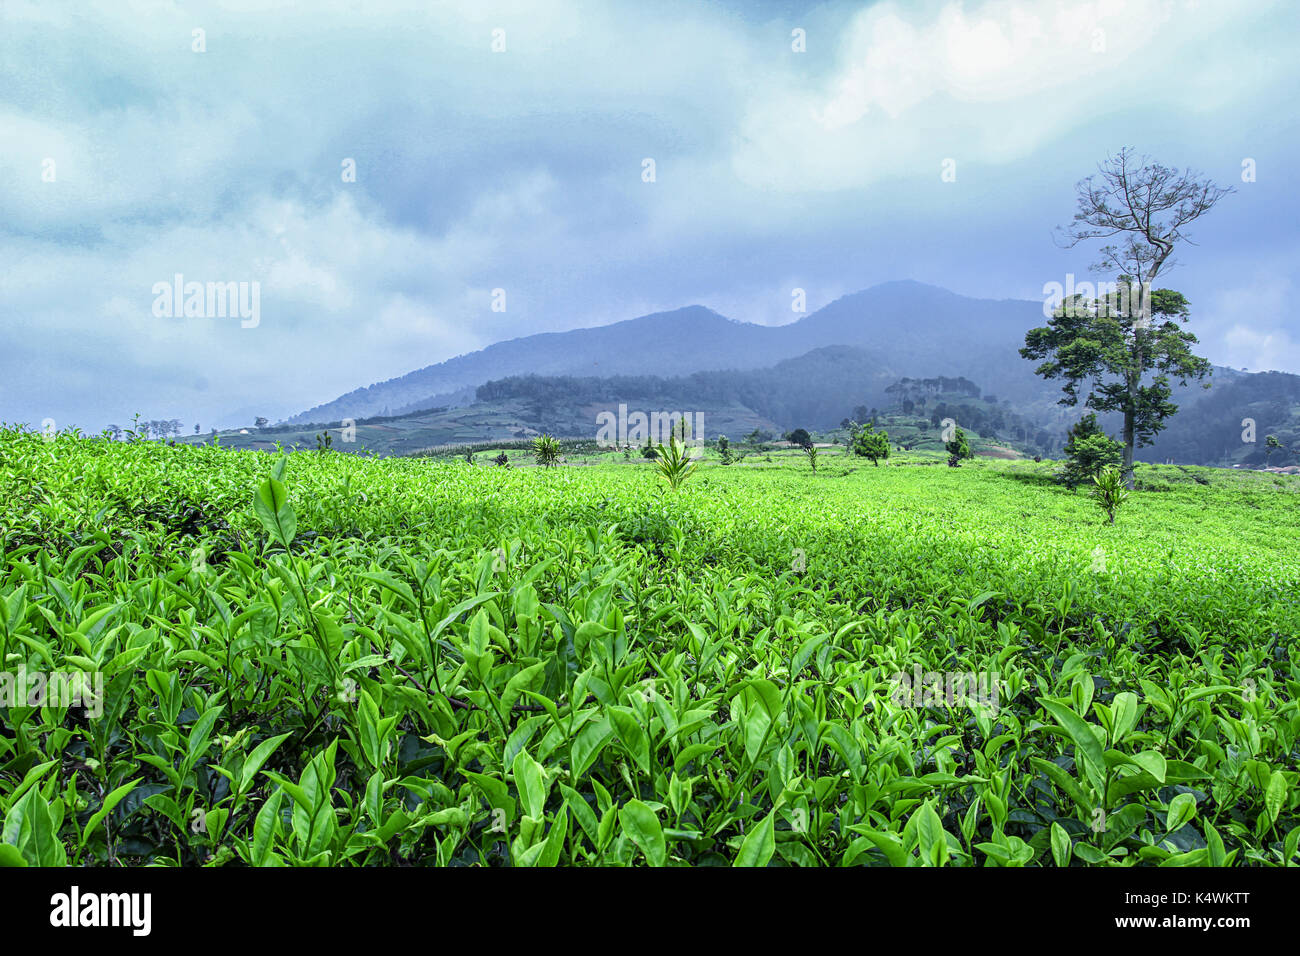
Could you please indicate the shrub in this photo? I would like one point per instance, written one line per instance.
(658, 603)
(724, 450)
(958, 449)
(1271, 444)
(546, 451)
(1088, 450)
(675, 465)
(1109, 491)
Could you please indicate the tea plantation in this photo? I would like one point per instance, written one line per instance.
(335, 660)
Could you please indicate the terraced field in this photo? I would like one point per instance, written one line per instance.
(335, 660)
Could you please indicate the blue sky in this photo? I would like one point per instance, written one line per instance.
(522, 170)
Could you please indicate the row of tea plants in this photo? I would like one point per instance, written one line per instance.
(332, 660)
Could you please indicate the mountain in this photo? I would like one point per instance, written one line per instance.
(817, 390)
(924, 330)
(808, 373)
(689, 339)
(928, 331)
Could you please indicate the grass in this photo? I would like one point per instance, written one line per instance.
(446, 665)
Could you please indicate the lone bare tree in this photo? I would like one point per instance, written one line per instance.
(1146, 208)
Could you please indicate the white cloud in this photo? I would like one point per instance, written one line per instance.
(1245, 324)
(985, 82)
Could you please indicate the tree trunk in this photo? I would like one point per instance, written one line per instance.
(1129, 435)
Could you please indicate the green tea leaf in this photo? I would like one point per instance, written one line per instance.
(759, 843)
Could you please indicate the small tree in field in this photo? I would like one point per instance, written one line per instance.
(1271, 444)
(546, 451)
(724, 450)
(674, 463)
(811, 451)
(799, 437)
(869, 443)
(1109, 491)
(1088, 451)
(958, 449)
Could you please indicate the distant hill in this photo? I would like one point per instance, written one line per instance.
(818, 390)
(922, 329)
(478, 423)
(811, 390)
(679, 340)
(1213, 428)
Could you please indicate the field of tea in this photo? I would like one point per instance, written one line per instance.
(332, 660)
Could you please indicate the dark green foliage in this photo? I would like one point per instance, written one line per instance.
(869, 443)
(1210, 430)
(1086, 342)
(724, 450)
(958, 449)
(1088, 450)
(808, 389)
(1142, 211)
(1271, 444)
(799, 436)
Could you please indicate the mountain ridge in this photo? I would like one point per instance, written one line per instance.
(926, 329)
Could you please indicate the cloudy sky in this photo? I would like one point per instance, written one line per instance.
(503, 146)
